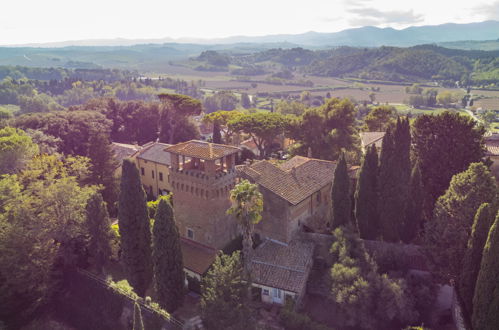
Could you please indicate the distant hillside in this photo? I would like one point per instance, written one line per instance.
(419, 63)
(367, 36)
(472, 44)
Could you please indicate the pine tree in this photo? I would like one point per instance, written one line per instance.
(486, 298)
(103, 166)
(138, 324)
(414, 218)
(134, 229)
(217, 136)
(473, 256)
(167, 259)
(340, 194)
(99, 229)
(366, 196)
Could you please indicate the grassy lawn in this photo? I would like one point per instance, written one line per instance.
(403, 109)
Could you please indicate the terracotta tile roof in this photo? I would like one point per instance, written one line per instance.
(154, 152)
(203, 150)
(283, 266)
(368, 138)
(294, 180)
(122, 150)
(197, 257)
(492, 145)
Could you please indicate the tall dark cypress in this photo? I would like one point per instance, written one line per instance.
(217, 136)
(394, 180)
(340, 194)
(486, 298)
(103, 166)
(473, 255)
(134, 229)
(99, 229)
(366, 196)
(387, 214)
(167, 259)
(414, 217)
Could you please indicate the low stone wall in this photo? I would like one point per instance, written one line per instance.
(89, 303)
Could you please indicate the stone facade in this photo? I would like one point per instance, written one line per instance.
(296, 196)
(153, 164)
(201, 180)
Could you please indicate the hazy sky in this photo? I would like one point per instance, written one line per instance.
(29, 21)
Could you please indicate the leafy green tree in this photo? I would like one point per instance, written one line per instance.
(447, 234)
(486, 298)
(262, 127)
(444, 145)
(99, 231)
(47, 144)
(290, 108)
(103, 167)
(224, 293)
(366, 196)
(134, 229)
(363, 298)
(217, 136)
(484, 219)
(16, 148)
(414, 217)
(223, 118)
(247, 206)
(42, 233)
(175, 108)
(340, 195)
(138, 324)
(326, 130)
(74, 128)
(379, 118)
(167, 259)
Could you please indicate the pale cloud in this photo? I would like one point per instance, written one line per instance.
(377, 17)
(488, 11)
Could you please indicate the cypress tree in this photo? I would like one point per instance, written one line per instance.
(366, 196)
(134, 229)
(217, 136)
(414, 218)
(395, 173)
(138, 324)
(167, 259)
(103, 166)
(473, 255)
(340, 194)
(486, 298)
(387, 213)
(99, 229)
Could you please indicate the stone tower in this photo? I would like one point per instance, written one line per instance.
(201, 176)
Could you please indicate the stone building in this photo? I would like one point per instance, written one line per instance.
(281, 270)
(492, 145)
(296, 194)
(153, 164)
(201, 176)
(371, 138)
(122, 151)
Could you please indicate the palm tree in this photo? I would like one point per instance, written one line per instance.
(247, 206)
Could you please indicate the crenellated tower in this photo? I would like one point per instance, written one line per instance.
(201, 176)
